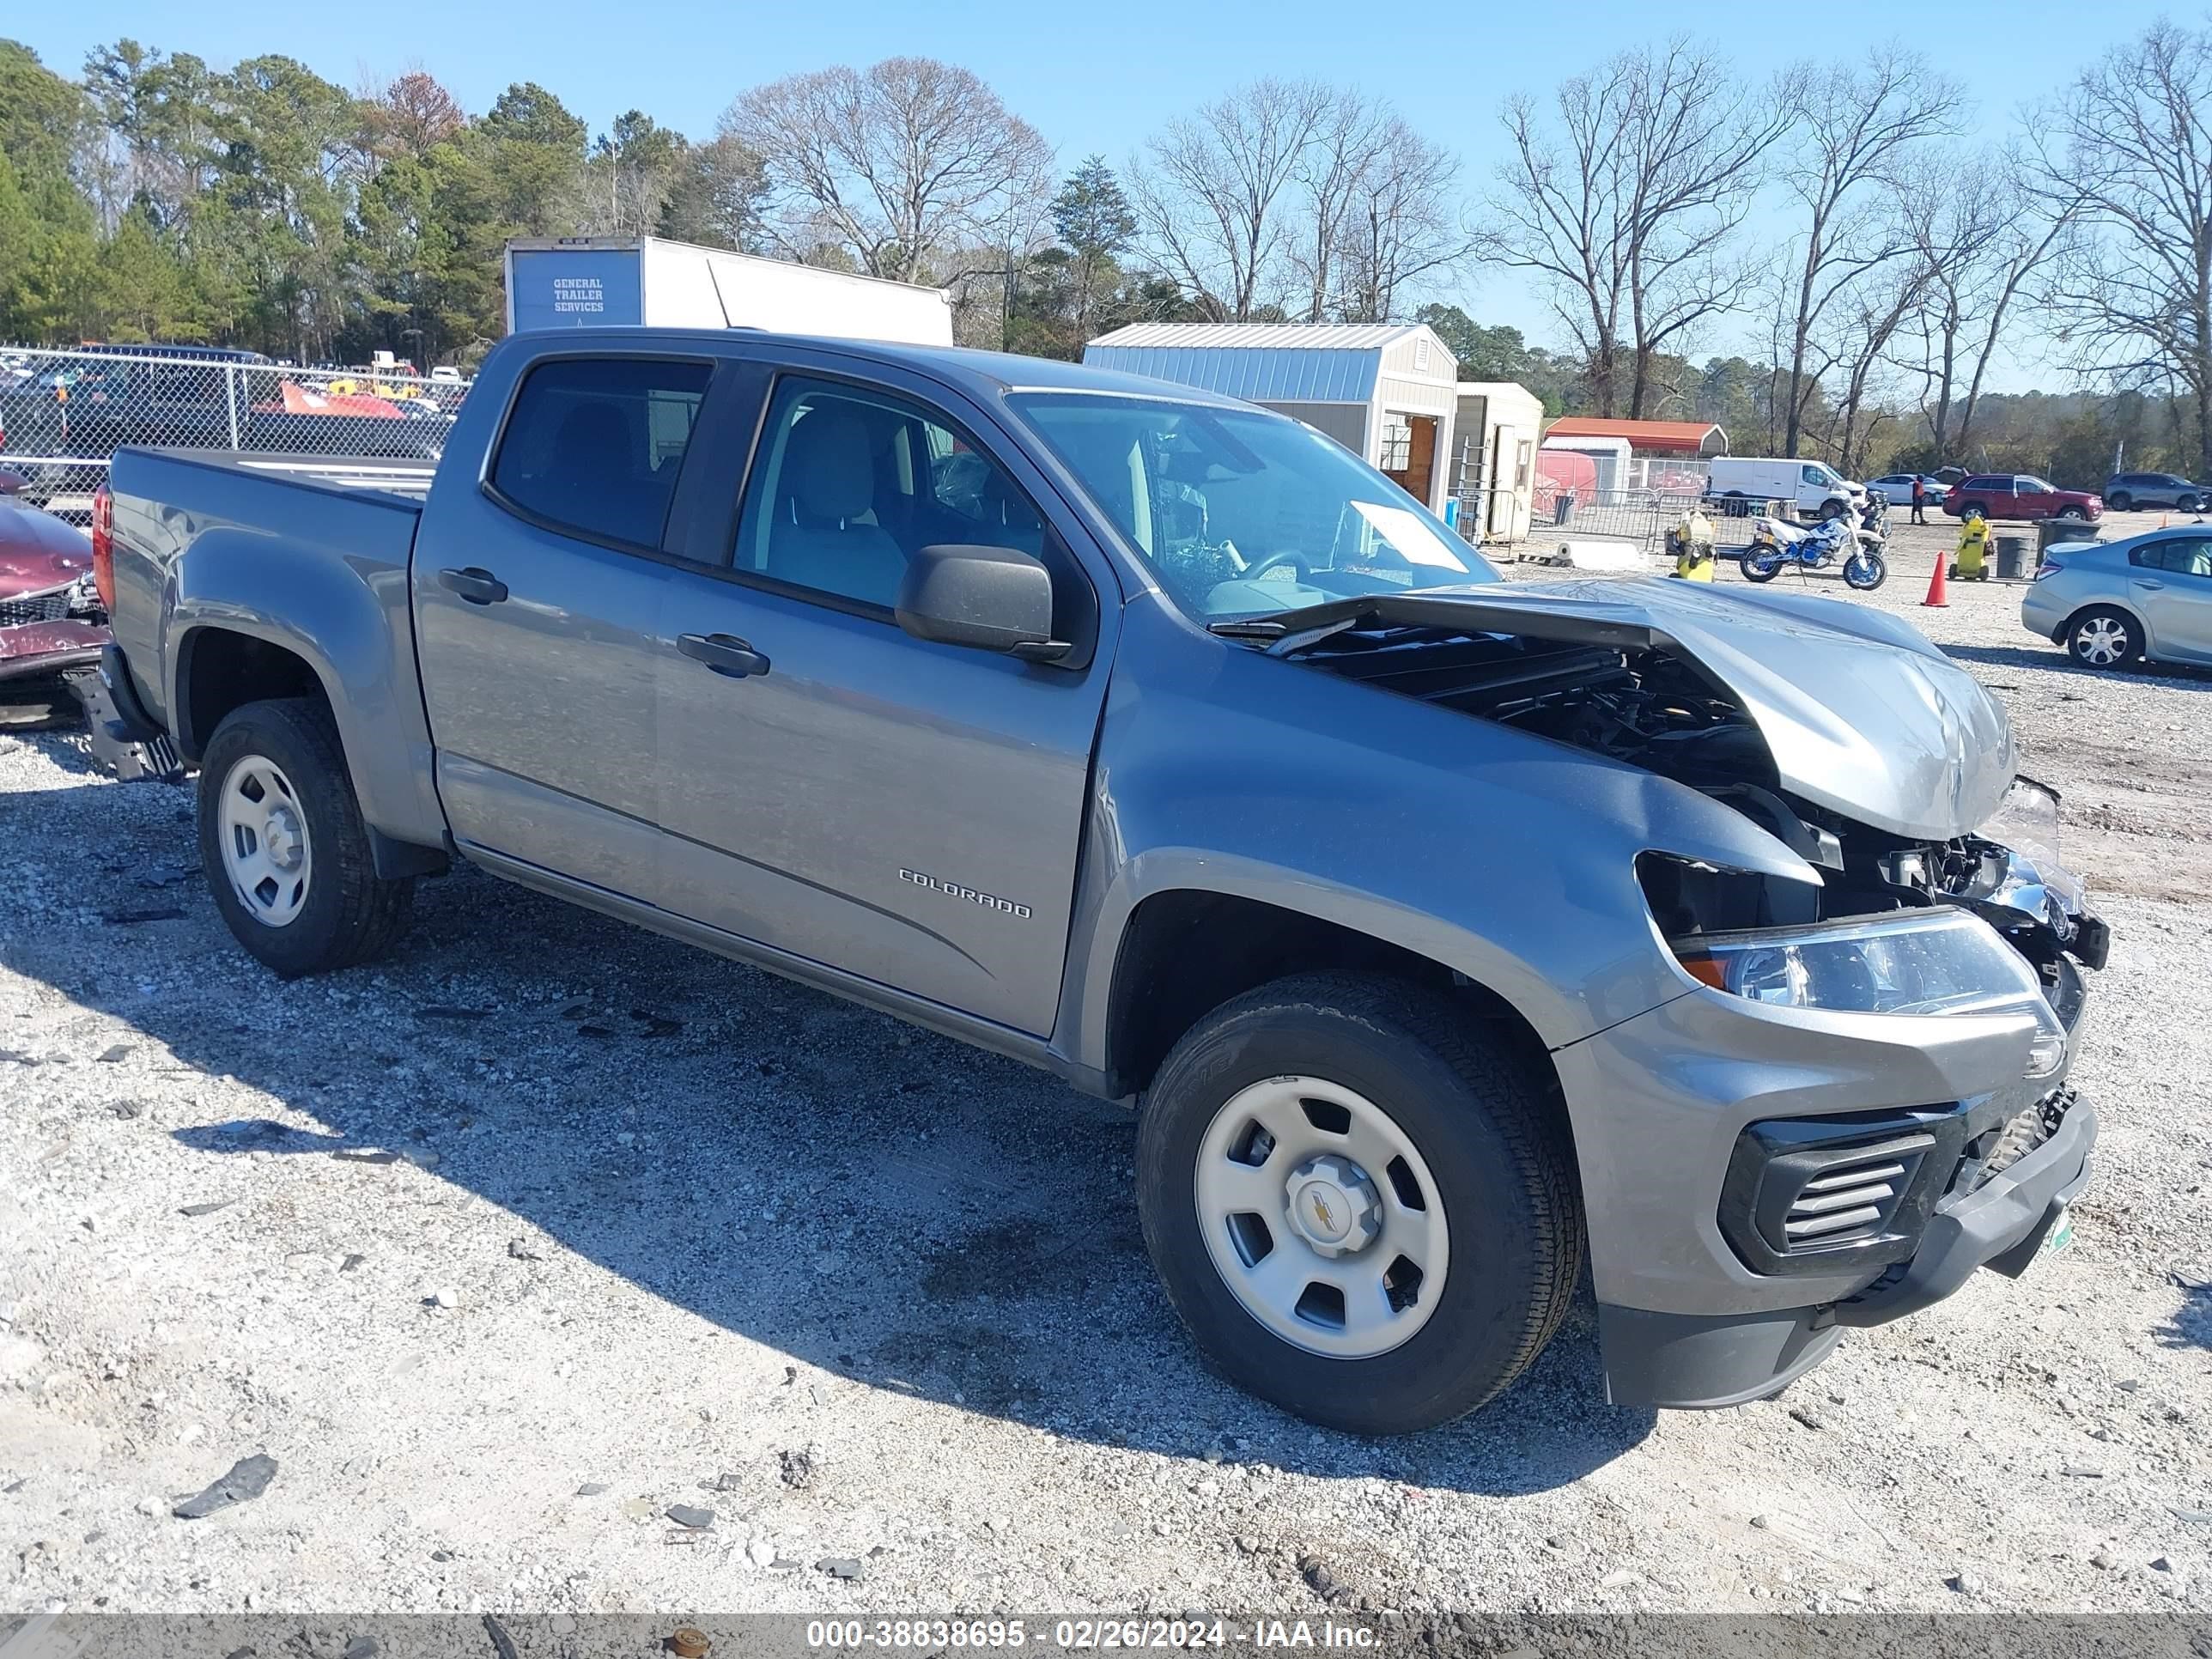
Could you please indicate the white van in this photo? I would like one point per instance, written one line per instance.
(1810, 487)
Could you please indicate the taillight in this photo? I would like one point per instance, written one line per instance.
(2048, 567)
(103, 545)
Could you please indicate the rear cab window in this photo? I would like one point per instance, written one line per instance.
(593, 446)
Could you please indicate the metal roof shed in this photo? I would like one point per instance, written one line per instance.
(1386, 391)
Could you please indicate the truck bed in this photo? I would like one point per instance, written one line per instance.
(281, 525)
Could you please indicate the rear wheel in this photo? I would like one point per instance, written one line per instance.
(287, 855)
(1758, 566)
(2103, 637)
(1361, 1211)
(1981, 508)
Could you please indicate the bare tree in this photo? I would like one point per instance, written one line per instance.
(2129, 149)
(1399, 225)
(1210, 201)
(1981, 264)
(1340, 157)
(896, 163)
(1864, 328)
(1861, 123)
(1624, 196)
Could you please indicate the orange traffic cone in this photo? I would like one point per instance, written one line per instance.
(1937, 594)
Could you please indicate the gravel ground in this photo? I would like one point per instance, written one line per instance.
(505, 1246)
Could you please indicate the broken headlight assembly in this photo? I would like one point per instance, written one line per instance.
(1936, 961)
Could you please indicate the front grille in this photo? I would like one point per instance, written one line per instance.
(1819, 1194)
(47, 607)
(1995, 1152)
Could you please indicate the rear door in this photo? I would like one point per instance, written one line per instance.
(906, 811)
(2170, 581)
(537, 596)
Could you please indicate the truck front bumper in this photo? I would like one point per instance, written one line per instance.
(1755, 1182)
(1690, 1361)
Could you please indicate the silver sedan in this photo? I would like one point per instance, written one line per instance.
(2115, 603)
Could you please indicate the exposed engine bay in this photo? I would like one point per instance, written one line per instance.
(1652, 708)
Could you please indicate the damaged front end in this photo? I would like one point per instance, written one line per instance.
(1859, 1096)
(1841, 733)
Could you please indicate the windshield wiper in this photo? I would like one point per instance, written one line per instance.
(1256, 627)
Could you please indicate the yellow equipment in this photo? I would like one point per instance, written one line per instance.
(1973, 564)
(1691, 542)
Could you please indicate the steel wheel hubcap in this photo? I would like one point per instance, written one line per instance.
(1322, 1216)
(2102, 641)
(264, 836)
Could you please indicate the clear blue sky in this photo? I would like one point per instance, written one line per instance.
(1090, 78)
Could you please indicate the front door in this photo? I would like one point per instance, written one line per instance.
(906, 811)
(2171, 582)
(538, 602)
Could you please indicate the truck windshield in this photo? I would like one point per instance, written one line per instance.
(1241, 513)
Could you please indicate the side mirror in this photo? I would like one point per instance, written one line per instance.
(991, 599)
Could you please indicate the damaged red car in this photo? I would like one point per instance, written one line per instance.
(50, 618)
(53, 624)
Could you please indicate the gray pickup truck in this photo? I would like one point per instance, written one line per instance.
(1442, 929)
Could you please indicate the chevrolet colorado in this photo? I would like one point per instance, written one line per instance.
(1442, 929)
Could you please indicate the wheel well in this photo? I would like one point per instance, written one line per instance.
(220, 671)
(2081, 611)
(1186, 952)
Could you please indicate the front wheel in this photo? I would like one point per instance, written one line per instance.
(1865, 571)
(2072, 514)
(2119, 500)
(1832, 510)
(1361, 1211)
(1758, 567)
(2189, 504)
(287, 855)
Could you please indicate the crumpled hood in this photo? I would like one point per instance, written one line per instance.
(1862, 715)
(39, 551)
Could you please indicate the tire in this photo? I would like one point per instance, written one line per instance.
(1872, 572)
(2189, 504)
(1832, 510)
(2072, 515)
(2103, 637)
(1965, 508)
(326, 909)
(1477, 1118)
(2119, 500)
(1756, 569)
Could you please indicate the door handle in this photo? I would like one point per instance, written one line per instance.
(726, 653)
(2144, 581)
(477, 586)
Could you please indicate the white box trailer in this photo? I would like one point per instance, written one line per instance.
(592, 282)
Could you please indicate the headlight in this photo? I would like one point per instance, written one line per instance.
(1941, 961)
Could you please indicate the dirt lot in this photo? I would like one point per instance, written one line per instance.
(504, 1247)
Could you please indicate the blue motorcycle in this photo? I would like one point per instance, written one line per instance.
(1776, 546)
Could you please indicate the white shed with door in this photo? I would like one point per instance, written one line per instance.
(1386, 391)
(1493, 470)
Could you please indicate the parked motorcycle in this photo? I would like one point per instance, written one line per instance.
(1861, 547)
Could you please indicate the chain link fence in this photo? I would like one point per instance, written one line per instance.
(64, 414)
(1640, 517)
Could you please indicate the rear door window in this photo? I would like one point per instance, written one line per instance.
(593, 445)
